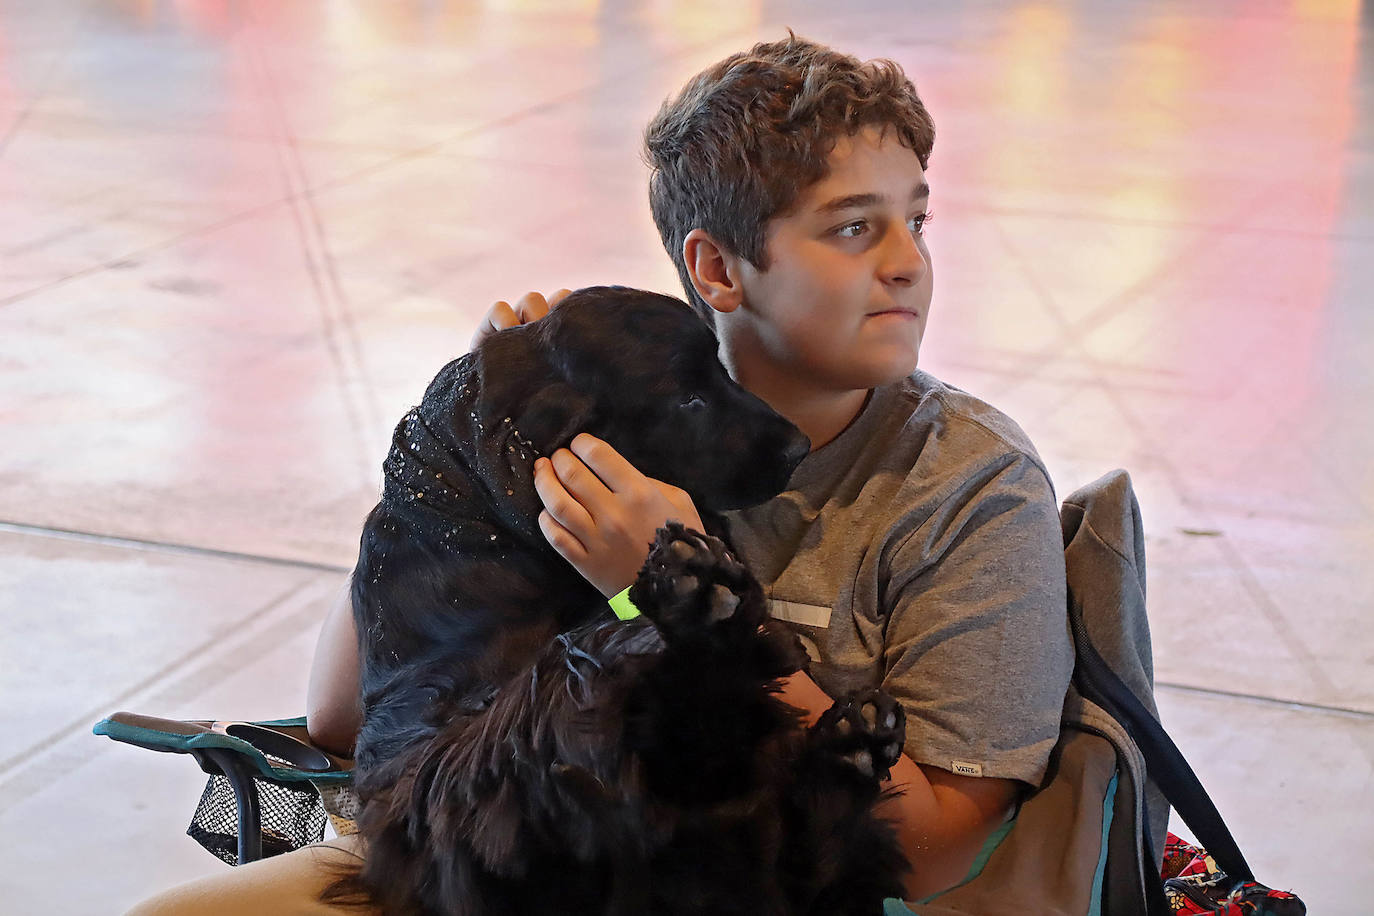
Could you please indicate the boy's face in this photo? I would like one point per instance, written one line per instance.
(843, 303)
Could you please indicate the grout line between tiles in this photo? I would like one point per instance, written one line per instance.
(1212, 228)
(352, 382)
(113, 540)
(45, 83)
(1073, 336)
(189, 658)
(235, 218)
(68, 749)
(1343, 711)
(1032, 364)
(398, 158)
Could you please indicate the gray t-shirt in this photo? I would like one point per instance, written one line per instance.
(920, 551)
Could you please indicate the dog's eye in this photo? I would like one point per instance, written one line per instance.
(694, 403)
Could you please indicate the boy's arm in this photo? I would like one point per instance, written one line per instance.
(333, 699)
(942, 819)
(977, 649)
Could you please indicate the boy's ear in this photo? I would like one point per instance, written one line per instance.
(715, 272)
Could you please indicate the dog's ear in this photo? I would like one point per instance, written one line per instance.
(509, 367)
(553, 416)
(519, 382)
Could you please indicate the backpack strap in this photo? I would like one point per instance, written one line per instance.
(1164, 763)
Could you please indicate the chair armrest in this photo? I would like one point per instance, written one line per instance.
(277, 749)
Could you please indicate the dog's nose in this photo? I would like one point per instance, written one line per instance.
(797, 448)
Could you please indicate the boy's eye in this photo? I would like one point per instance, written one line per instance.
(852, 230)
(917, 224)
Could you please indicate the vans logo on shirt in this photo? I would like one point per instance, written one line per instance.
(966, 769)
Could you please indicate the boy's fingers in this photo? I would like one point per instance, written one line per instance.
(561, 539)
(561, 502)
(606, 463)
(580, 481)
(531, 307)
(499, 317)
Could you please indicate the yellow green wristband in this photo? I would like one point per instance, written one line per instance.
(622, 605)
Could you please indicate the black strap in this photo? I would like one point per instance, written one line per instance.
(1164, 763)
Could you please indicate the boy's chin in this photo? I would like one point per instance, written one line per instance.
(883, 372)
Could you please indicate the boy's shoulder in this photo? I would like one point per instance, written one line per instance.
(926, 421)
(923, 441)
(922, 400)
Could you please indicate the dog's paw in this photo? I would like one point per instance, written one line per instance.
(691, 581)
(864, 730)
(780, 651)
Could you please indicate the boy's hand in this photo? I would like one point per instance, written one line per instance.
(502, 315)
(600, 513)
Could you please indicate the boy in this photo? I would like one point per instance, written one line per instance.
(918, 545)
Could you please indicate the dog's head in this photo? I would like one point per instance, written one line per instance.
(639, 370)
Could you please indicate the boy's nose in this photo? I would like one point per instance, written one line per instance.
(903, 263)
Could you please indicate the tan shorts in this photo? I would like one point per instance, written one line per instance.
(286, 885)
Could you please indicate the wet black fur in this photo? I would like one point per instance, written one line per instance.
(456, 594)
(647, 767)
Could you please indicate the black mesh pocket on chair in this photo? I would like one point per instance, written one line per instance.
(292, 817)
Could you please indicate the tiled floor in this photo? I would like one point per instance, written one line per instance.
(236, 239)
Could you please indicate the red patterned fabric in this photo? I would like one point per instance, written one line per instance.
(1194, 886)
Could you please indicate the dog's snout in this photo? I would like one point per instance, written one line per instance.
(797, 447)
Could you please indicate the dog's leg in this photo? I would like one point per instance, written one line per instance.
(692, 587)
(697, 719)
(703, 599)
(864, 730)
(842, 857)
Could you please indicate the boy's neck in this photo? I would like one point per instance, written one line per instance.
(820, 411)
(821, 415)
(823, 419)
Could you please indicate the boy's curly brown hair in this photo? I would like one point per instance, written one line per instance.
(745, 137)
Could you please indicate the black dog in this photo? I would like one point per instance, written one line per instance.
(647, 767)
(456, 588)
(456, 593)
